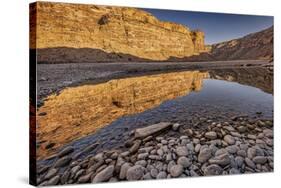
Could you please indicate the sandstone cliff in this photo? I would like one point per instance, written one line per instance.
(115, 33)
(257, 45)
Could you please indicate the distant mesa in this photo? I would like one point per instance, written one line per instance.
(69, 33)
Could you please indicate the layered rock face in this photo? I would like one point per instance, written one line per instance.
(115, 33)
(79, 111)
(198, 38)
(253, 46)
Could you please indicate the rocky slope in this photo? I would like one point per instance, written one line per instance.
(257, 45)
(118, 30)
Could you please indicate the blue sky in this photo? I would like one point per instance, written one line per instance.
(218, 27)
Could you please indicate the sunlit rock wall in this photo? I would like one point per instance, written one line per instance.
(110, 29)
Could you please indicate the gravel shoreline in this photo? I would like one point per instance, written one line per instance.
(238, 146)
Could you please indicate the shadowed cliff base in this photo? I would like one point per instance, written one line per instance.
(82, 55)
(87, 55)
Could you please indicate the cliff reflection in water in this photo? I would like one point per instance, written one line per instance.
(261, 78)
(79, 111)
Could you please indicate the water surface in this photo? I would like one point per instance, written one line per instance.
(185, 98)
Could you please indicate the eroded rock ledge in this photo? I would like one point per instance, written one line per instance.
(241, 145)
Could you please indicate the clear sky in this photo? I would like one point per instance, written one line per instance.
(218, 27)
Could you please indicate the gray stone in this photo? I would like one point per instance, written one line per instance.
(190, 147)
(104, 175)
(221, 160)
(250, 163)
(149, 130)
(142, 156)
(160, 152)
(234, 171)
(235, 134)
(113, 179)
(147, 176)
(135, 146)
(154, 157)
(135, 173)
(79, 173)
(51, 173)
(232, 149)
(251, 136)
(66, 151)
(244, 147)
(164, 142)
(185, 162)
(251, 153)
(229, 139)
(153, 172)
(123, 170)
(212, 169)
(145, 149)
(54, 181)
(259, 151)
(184, 142)
(193, 173)
(242, 129)
(239, 161)
(142, 163)
(161, 175)
(211, 135)
(197, 148)
(213, 148)
(260, 159)
(170, 164)
(90, 148)
(181, 151)
(169, 157)
(85, 179)
(176, 170)
(176, 126)
(64, 177)
(242, 153)
(62, 161)
(221, 151)
(75, 169)
(204, 155)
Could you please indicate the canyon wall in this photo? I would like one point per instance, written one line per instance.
(79, 111)
(115, 33)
